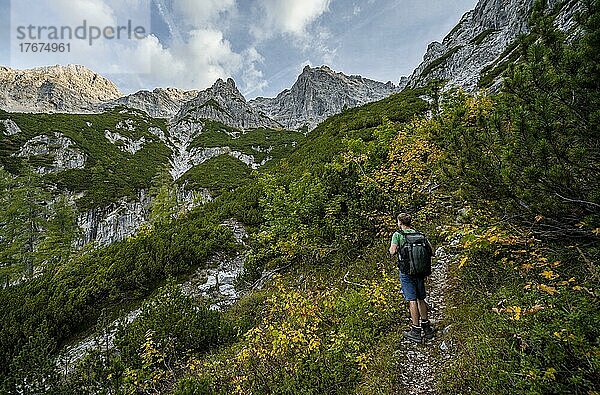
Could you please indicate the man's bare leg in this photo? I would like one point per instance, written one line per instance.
(422, 310)
(414, 312)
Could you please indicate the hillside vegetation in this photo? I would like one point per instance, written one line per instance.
(109, 172)
(507, 183)
(122, 155)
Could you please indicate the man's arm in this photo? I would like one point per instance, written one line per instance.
(393, 248)
(394, 244)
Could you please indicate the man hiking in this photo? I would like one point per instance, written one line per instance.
(414, 262)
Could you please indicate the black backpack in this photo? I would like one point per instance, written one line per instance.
(414, 255)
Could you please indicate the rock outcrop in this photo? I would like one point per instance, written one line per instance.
(483, 38)
(106, 225)
(185, 157)
(70, 88)
(223, 102)
(159, 103)
(319, 93)
(57, 148)
(10, 127)
(125, 143)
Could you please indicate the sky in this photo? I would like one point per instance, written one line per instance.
(262, 44)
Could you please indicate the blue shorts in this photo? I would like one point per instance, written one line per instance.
(413, 288)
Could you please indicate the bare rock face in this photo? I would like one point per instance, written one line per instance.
(70, 88)
(160, 103)
(125, 143)
(223, 102)
(319, 93)
(482, 38)
(106, 225)
(10, 127)
(57, 147)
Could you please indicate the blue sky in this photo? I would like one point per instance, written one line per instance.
(262, 44)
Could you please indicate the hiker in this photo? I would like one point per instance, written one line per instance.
(414, 263)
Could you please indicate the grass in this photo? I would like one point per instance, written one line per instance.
(440, 61)
(477, 40)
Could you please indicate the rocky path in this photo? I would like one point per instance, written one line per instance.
(418, 365)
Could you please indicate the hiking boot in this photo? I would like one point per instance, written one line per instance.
(414, 334)
(428, 330)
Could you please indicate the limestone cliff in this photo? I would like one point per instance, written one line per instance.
(223, 102)
(70, 88)
(159, 103)
(319, 93)
(482, 39)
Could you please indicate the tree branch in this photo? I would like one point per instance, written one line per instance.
(584, 202)
(350, 282)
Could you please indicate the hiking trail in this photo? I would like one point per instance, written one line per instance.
(418, 365)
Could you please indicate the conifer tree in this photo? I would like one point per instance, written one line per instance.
(61, 233)
(164, 206)
(552, 102)
(23, 219)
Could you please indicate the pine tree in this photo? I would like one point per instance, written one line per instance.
(24, 216)
(60, 234)
(552, 103)
(164, 206)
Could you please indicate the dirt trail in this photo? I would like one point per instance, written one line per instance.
(418, 365)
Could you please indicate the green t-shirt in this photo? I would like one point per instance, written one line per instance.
(398, 239)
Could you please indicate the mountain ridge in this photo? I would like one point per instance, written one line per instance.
(223, 102)
(482, 39)
(318, 93)
(159, 103)
(70, 88)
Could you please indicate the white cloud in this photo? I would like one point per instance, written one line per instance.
(210, 54)
(194, 64)
(182, 16)
(95, 12)
(253, 78)
(201, 13)
(199, 50)
(201, 55)
(320, 43)
(289, 16)
(162, 64)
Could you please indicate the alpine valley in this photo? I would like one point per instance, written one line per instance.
(195, 242)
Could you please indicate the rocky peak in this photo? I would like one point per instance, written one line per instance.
(70, 88)
(482, 39)
(160, 103)
(318, 93)
(227, 89)
(175, 94)
(223, 102)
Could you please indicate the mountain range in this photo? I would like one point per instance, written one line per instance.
(196, 242)
(318, 93)
(472, 56)
(201, 134)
